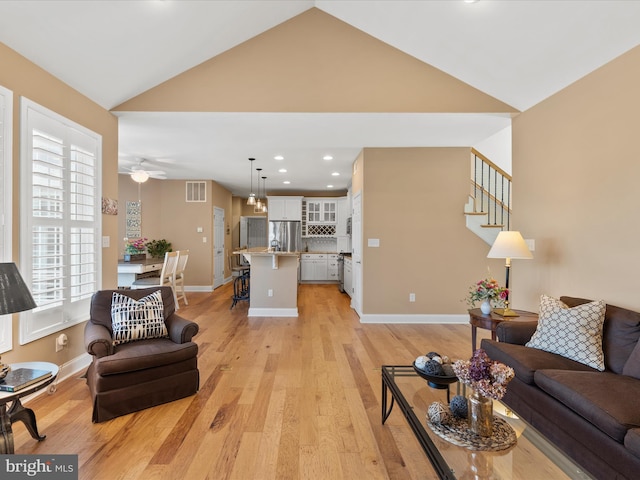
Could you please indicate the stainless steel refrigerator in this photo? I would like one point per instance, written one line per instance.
(285, 236)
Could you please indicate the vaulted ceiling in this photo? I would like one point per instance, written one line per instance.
(518, 53)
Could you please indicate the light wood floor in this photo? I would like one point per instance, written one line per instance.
(280, 398)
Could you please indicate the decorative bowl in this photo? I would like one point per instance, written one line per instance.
(436, 381)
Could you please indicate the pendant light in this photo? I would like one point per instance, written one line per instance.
(264, 190)
(258, 201)
(252, 196)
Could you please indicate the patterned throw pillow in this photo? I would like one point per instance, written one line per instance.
(574, 333)
(137, 319)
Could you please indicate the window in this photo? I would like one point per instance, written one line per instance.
(60, 225)
(6, 133)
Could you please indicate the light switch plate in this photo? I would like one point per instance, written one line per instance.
(106, 241)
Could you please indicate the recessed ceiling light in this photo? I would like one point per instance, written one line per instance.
(286, 182)
(336, 174)
(327, 157)
(278, 157)
(283, 170)
(329, 186)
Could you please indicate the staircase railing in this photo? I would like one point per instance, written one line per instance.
(491, 191)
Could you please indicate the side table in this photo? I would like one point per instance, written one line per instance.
(490, 321)
(17, 411)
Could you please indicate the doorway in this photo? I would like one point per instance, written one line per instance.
(218, 247)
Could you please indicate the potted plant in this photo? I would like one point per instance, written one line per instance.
(157, 248)
(134, 249)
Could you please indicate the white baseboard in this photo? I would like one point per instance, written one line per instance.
(68, 369)
(273, 312)
(198, 288)
(425, 318)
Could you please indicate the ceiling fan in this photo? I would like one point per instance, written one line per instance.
(140, 174)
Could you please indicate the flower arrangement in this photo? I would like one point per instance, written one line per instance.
(487, 289)
(135, 246)
(487, 377)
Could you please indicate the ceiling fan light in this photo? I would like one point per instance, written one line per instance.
(139, 176)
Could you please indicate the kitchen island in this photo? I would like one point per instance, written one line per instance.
(273, 283)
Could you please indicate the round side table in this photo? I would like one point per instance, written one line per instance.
(490, 321)
(17, 412)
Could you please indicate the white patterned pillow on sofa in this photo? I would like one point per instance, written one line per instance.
(137, 319)
(574, 333)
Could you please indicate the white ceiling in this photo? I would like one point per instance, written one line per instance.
(520, 52)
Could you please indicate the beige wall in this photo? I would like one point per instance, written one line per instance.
(413, 201)
(576, 172)
(26, 79)
(314, 63)
(166, 214)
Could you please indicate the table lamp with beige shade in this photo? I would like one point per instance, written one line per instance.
(509, 245)
(14, 296)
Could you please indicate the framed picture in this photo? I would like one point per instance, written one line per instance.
(109, 206)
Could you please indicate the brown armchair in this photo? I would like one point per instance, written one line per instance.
(133, 376)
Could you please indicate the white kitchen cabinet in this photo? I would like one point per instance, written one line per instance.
(332, 267)
(314, 211)
(329, 211)
(315, 267)
(285, 208)
(348, 276)
(322, 210)
(306, 268)
(341, 217)
(343, 243)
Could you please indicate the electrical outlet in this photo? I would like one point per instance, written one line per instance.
(412, 297)
(61, 342)
(270, 292)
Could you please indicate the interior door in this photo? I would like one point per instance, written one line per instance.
(356, 254)
(218, 247)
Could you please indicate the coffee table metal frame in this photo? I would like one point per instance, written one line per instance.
(440, 465)
(389, 385)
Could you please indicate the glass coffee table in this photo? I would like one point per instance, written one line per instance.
(532, 452)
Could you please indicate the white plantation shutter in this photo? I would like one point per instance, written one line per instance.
(6, 132)
(59, 237)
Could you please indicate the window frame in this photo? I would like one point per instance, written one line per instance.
(63, 217)
(6, 178)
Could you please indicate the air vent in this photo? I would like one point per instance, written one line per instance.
(196, 191)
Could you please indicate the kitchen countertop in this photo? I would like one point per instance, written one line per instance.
(263, 251)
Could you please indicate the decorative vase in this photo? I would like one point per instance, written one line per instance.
(485, 307)
(480, 414)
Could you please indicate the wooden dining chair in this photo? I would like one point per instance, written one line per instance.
(167, 276)
(178, 282)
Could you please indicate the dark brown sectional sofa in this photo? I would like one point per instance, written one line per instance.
(593, 416)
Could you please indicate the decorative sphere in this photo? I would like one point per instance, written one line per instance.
(448, 370)
(438, 413)
(421, 361)
(433, 368)
(459, 406)
(445, 359)
(430, 355)
(437, 358)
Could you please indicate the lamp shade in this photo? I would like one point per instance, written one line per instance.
(14, 294)
(509, 245)
(139, 176)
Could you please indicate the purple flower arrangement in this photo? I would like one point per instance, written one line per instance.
(489, 378)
